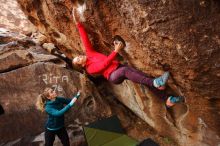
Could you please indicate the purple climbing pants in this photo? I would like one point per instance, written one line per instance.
(126, 72)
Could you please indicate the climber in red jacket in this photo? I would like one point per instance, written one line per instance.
(98, 63)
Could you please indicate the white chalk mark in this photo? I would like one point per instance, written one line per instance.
(81, 9)
(64, 78)
(45, 78)
(56, 79)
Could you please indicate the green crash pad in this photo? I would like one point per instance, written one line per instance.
(111, 124)
(97, 137)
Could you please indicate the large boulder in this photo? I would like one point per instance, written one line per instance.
(179, 36)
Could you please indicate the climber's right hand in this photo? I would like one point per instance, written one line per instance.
(118, 45)
(72, 101)
(78, 94)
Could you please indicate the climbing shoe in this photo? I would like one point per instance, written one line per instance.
(160, 82)
(172, 100)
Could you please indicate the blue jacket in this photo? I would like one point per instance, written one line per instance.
(56, 110)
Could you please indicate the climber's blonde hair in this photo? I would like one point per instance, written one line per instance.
(42, 98)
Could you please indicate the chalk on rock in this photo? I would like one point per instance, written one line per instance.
(81, 9)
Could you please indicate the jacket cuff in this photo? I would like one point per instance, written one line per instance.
(79, 24)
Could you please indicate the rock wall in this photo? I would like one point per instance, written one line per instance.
(179, 36)
(12, 17)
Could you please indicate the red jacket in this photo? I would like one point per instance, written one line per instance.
(96, 62)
